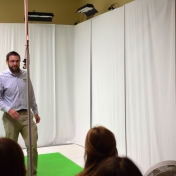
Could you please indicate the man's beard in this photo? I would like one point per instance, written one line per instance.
(14, 69)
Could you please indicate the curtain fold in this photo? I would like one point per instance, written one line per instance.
(150, 80)
(82, 80)
(42, 71)
(108, 88)
(64, 84)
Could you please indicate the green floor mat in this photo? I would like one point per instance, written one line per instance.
(56, 164)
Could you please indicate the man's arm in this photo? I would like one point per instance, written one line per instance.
(34, 104)
(3, 106)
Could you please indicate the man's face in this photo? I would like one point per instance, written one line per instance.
(14, 64)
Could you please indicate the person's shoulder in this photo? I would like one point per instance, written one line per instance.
(4, 73)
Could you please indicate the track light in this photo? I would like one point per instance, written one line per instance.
(87, 9)
(40, 16)
(113, 6)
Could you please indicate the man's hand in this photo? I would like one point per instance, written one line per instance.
(37, 118)
(15, 115)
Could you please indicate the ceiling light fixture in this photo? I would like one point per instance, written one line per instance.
(87, 9)
(40, 16)
(113, 6)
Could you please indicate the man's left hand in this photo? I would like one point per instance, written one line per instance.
(37, 118)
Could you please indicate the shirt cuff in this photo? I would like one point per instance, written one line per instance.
(7, 109)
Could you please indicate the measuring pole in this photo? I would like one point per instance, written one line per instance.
(28, 87)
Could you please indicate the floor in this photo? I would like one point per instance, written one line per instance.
(73, 152)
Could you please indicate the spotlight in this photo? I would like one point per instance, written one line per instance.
(113, 6)
(76, 22)
(40, 16)
(87, 9)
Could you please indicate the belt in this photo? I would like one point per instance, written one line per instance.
(22, 110)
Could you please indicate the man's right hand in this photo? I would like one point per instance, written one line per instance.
(15, 115)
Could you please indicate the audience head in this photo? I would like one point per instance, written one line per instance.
(11, 158)
(117, 166)
(100, 143)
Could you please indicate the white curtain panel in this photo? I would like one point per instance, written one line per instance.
(81, 79)
(150, 81)
(42, 57)
(64, 85)
(108, 93)
(12, 38)
(46, 59)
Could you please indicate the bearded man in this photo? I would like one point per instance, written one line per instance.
(13, 102)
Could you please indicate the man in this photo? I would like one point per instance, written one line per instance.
(13, 101)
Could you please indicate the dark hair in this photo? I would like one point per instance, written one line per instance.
(11, 158)
(12, 53)
(100, 143)
(117, 166)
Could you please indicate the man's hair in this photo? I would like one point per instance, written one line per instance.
(14, 53)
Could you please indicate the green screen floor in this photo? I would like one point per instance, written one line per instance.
(55, 164)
